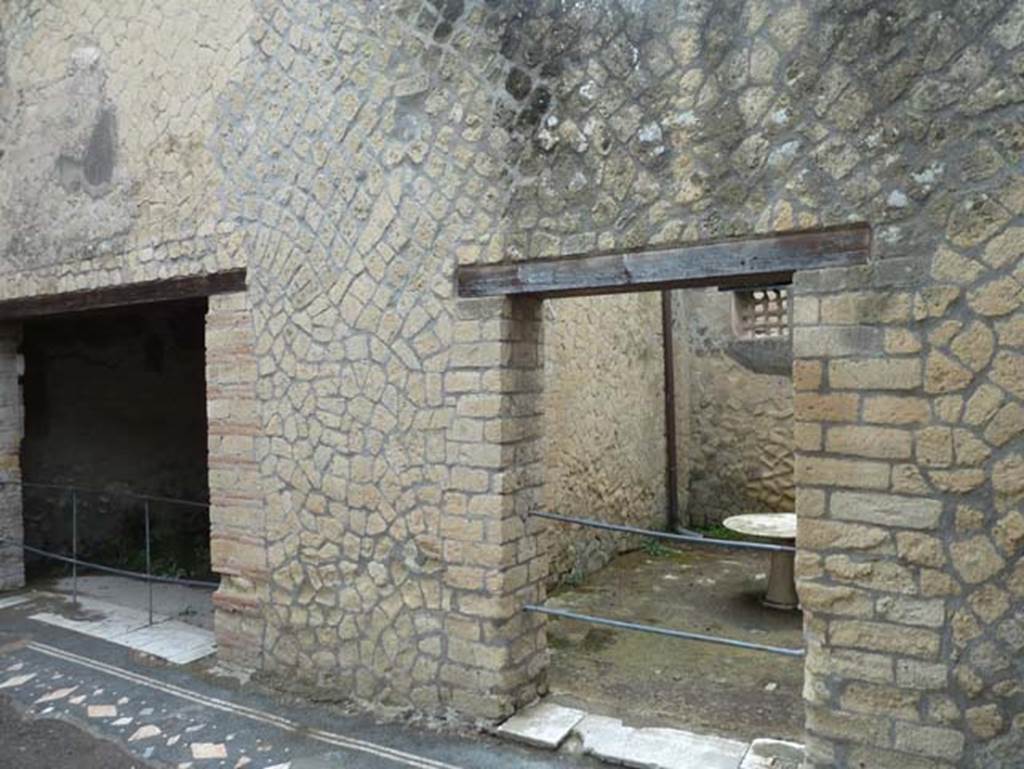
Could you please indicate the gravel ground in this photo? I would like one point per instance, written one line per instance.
(49, 744)
(651, 680)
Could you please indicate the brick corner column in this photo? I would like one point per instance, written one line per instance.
(494, 563)
(871, 526)
(237, 517)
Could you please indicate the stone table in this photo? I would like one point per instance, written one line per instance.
(781, 592)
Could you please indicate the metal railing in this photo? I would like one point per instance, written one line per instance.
(737, 543)
(76, 562)
(151, 578)
(682, 634)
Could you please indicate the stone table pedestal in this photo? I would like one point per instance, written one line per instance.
(781, 593)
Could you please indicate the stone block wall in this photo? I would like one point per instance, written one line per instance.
(348, 155)
(12, 563)
(105, 112)
(238, 543)
(604, 426)
(738, 442)
(909, 379)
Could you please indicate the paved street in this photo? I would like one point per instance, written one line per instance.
(44, 743)
(72, 700)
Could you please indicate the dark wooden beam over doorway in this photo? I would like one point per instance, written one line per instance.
(121, 296)
(737, 262)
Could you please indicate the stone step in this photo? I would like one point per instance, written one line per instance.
(654, 748)
(551, 726)
(773, 754)
(544, 725)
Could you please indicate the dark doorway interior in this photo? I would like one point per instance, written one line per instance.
(115, 401)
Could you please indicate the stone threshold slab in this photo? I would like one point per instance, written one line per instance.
(549, 725)
(168, 639)
(544, 725)
(773, 754)
(11, 601)
(656, 748)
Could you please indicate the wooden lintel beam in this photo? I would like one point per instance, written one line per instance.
(770, 259)
(121, 296)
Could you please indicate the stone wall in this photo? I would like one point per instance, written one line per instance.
(910, 430)
(493, 653)
(738, 442)
(349, 155)
(12, 570)
(604, 425)
(390, 431)
(106, 113)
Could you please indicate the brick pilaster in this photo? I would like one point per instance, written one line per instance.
(12, 564)
(237, 517)
(872, 521)
(493, 560)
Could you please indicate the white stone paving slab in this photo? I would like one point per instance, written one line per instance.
(146, 732)
(190, 604)
(98, 618)
(173, 641)
(773, 754)
(10, 683)
(168, 639)
(56, 694)
(208, 750)
(14, 600)
(609, 740)
(545, 725)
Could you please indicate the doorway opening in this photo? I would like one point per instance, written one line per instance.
(606, 460)
(703, 653)
(115, 433)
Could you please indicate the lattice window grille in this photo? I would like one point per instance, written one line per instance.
(761, 313)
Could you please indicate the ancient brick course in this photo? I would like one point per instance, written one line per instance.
(12, 571)
(238, 527)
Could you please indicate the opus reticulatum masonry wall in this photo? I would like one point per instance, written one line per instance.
(375, 442)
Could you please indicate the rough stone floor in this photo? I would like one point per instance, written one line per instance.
(191, 717)
(649, 680)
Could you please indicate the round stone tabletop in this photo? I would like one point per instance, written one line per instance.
(770, 525)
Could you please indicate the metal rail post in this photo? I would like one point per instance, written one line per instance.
(671, 451)
(74, 547)
(149, 582)
(73, 559)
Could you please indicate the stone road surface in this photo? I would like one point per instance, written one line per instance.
(43, 744)
(73, 700)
